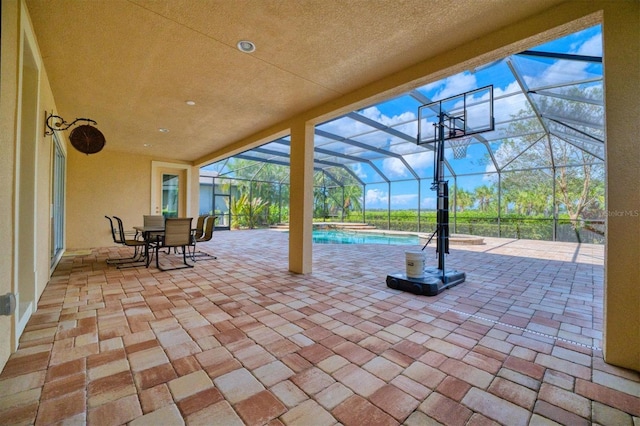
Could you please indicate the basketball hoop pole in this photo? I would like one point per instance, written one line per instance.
(442, 216)
(440, 185)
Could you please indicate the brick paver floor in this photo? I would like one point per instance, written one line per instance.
(240, 340)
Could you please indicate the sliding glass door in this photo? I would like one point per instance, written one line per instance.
(58, 171)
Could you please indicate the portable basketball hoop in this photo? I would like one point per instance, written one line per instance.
(453, 119)
(459, 147)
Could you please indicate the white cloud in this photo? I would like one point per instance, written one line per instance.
(348, 127)
(559, 72)
(345, 127)
(429, 203)
(491, 168)
(420, 160)
(410, 128)
(375, 114)
(457, 84)
(490, 177)
(376, 197)
(591, 47)
(358, 170)
(394, 168)
(404, 200)
(509, 105)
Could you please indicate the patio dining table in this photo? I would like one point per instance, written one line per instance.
(147, 233)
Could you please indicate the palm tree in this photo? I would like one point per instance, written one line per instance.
(485, 196)
(335, 194)
(464, 199)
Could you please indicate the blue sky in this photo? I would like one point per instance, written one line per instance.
(536, 72)
(401, 114)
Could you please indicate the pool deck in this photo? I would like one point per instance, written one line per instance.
(240, 340)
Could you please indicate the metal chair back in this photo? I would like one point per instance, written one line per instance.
(153, 221)
(208, 229)
(177, 232)
(115, 234)
(120, 229)
(200, 226)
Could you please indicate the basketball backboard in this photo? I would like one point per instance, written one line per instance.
(458, 116)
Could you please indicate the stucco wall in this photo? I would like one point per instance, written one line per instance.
(621, 35)
(15, 29)
(8, 90)
(112, 184)
(105, 183)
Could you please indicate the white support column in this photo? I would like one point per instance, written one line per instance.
(301, 198)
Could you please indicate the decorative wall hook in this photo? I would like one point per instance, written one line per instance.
(61, 124)
(84, 138)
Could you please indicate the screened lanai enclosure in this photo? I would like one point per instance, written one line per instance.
(539, 174)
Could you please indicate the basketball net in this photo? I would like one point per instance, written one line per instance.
(459, 147)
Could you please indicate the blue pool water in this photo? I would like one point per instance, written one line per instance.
(335, 236)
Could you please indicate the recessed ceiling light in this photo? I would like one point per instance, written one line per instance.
(190, 103)
(246, 46)
(147, 145)
(163, 130)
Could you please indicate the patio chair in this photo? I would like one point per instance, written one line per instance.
(153, 221)
(177, 234)
(200, 226)
(117, 239)
(207, 234)
(137, 245)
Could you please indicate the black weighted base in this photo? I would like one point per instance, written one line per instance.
(431, 284)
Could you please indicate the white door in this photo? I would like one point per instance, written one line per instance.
(170, 189)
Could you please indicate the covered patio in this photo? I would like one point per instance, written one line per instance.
(280, 330)
(239, 340)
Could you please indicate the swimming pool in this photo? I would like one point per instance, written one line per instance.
(336, 236)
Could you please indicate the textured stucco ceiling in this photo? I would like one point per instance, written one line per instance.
(131, 65)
